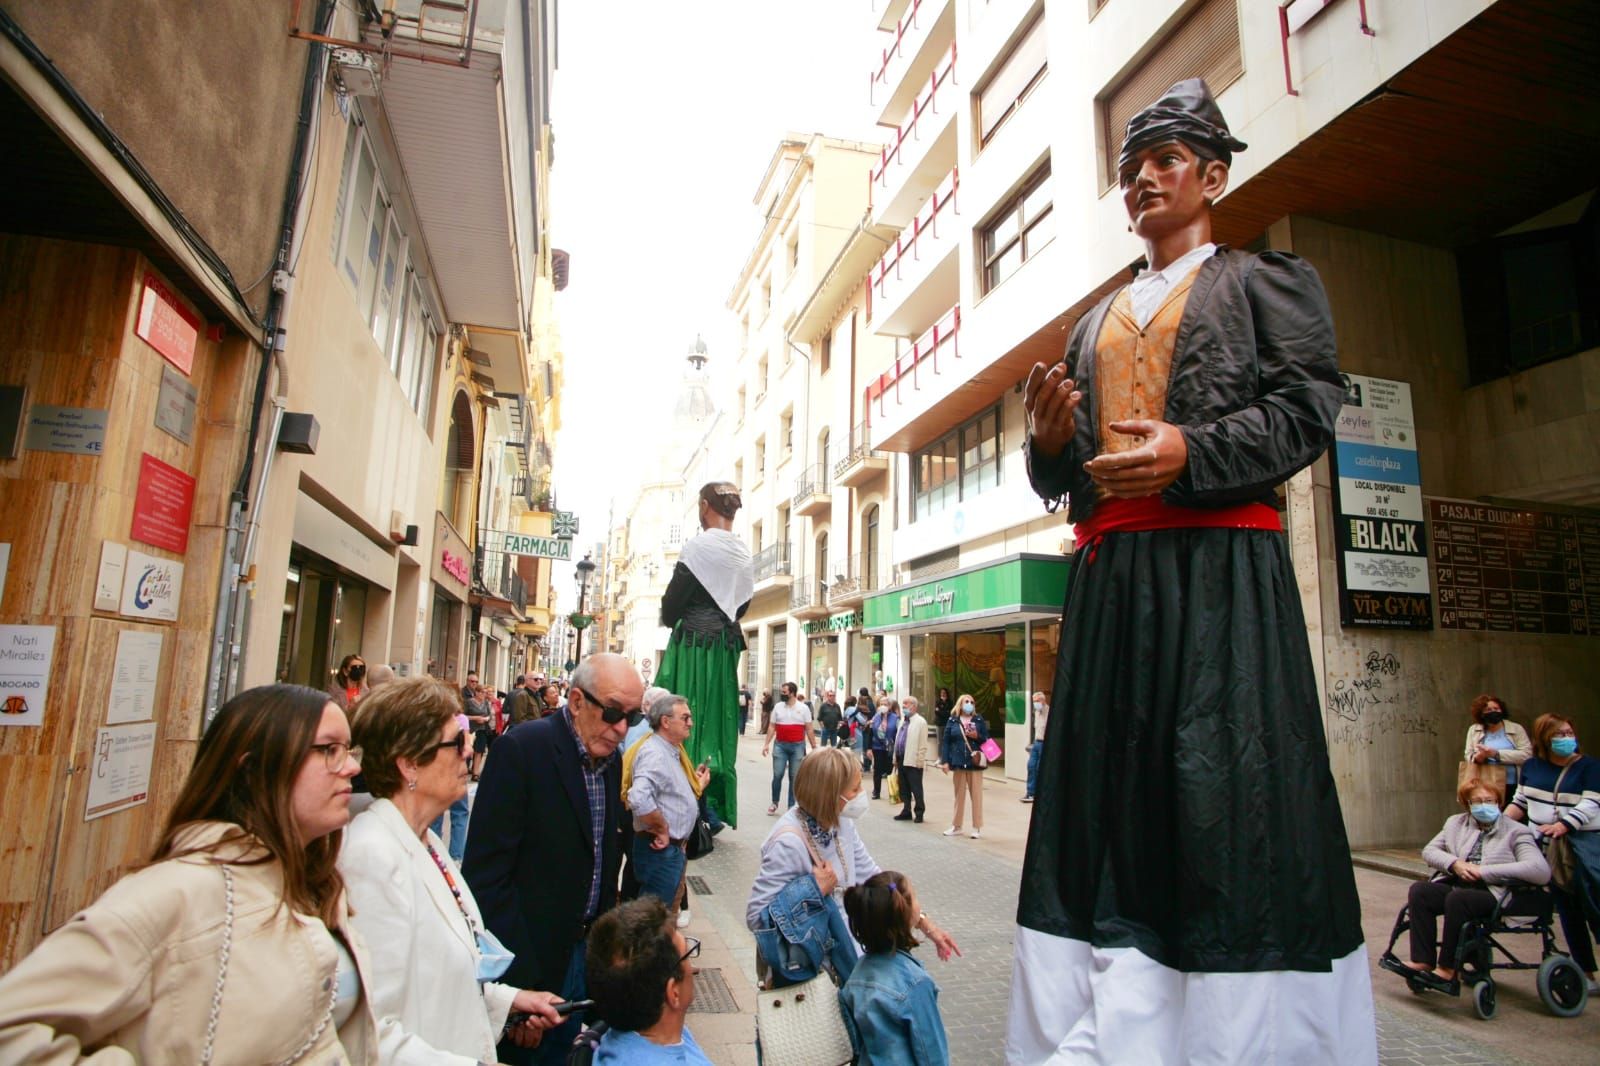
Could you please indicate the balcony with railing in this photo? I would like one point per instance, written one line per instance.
(811, 492)
(918, 275)
(861, 463)
(533, 491)
(886, 13)
(863, 575)
(910, 51)
(894, 397)
(772, 569)
(921, 151)
(807, 598)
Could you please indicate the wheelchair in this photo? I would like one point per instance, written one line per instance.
(1562, 986)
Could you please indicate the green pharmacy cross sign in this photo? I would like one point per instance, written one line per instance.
(564, 524)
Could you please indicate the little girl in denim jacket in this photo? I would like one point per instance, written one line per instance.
(890, 1003)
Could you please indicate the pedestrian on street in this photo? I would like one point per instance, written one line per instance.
(890, 1003)
(1496, 744)
(829, 717)
(433, 983)
(544, 847)
(766, 710)
(863, 729)
(1560, 797)
(746, 698)
(663, 790)
(885, 730)
(1041, 717)
(480, 722)
(1184, 397)
(960, 757)
(349, 683)
(641, 974)
(524, 702)
(246, 860)
(791, 732)
(913, 757)
(943, 705)
(550, 701)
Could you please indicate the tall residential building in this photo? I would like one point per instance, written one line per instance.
(810, 201)
(1466, 289)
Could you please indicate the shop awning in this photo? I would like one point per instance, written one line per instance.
(1010, 589)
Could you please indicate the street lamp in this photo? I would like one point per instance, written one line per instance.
(579, 620)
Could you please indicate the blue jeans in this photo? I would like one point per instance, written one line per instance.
(786, 754)
(1034, 751)
(659, 873)
(458, 828)
(557, 1042)
(830, 737)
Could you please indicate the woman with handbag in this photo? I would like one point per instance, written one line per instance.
(1495, 744)
(961, 756)
(433, 984)
(234, 944)
(885, 729)
(812, 855)
(1560, 797)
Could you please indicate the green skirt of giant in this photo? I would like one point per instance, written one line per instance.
(704, 671)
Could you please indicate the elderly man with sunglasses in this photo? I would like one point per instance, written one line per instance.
(544, 843)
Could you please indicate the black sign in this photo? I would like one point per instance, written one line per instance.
(1515, 569)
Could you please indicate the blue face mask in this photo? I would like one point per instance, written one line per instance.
(1487, 813)
(1561, 747)
(494, 958)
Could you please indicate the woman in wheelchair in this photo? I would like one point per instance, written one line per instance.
(1481, 858)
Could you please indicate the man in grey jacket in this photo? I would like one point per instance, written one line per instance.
(912, 760)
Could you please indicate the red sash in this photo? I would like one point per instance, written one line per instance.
(1148, 513)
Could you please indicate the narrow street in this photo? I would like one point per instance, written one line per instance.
(970, 887)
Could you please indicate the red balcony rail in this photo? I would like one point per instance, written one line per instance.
(924, 105)
(906, 22)
(945, 332)
(905, 242)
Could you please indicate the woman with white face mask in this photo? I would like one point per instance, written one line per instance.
(829, 801)
(961, 757)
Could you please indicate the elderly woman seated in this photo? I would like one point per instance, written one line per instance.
(1480, 858)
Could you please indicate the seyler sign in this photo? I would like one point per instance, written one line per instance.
(538, 547)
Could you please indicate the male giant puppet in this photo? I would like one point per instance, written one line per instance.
(1187, 895)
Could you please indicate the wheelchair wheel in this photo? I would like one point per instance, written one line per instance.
(1563, 986)
(1483, 999)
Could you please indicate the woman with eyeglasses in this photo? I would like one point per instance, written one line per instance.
(433, 986)
(1560, 798)
(234, 943)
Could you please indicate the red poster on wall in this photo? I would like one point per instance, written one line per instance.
(166, 324)
(163, 505)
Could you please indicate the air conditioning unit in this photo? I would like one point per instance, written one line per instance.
(357, 71)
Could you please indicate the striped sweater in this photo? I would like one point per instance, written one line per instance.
(1579, 802)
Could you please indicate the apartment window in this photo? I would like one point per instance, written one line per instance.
(738, 474)
(1023, 68)
(761, 378)
(744, 333)
(1530, 298)
(760, 462)
(755, 537)
(1204, 45)
(825, 353)
(740, 406)
(1022, 226)
(794, 254)
(786, 433)
(958, 466)
(869, 547)
(766, 296)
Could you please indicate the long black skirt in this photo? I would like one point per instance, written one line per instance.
(1185, 808)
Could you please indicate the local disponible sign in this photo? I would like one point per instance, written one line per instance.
(538, 547)
(1378, 514)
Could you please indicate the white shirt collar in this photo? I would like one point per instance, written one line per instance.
(1151, 286)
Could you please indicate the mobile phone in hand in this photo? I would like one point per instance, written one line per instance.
(573, 1005)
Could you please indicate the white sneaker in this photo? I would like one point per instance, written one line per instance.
(683, 918)
(953, 831)
(977, 833)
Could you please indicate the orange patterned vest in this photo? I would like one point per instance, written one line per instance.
(1133, 365)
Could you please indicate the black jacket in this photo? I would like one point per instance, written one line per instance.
(688, 602)
(1254, 386)
(529, 849)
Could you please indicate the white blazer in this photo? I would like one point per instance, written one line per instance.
(424, 988)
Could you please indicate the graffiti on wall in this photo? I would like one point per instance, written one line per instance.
(1369, 701)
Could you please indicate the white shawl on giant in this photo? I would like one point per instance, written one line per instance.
(721, 563)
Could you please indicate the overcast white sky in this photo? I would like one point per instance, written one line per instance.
(665, 116)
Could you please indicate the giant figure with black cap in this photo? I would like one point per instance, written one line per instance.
(1187, 894)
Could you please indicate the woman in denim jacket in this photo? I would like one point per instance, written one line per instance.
(890, 1004)
(812, 854)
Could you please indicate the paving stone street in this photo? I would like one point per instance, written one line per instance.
(970, 887)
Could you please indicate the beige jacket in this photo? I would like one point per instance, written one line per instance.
(916, 741)
(130, 979)
(1512, 756)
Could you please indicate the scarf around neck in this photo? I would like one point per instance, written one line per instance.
(721, 563)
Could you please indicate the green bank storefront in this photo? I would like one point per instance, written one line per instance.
(989, 630)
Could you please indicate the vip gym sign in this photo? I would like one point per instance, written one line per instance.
(1378, 520)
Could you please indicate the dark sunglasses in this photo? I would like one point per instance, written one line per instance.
(458, 742)
(612, 715)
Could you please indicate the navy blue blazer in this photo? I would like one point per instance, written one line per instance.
(530, 849)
